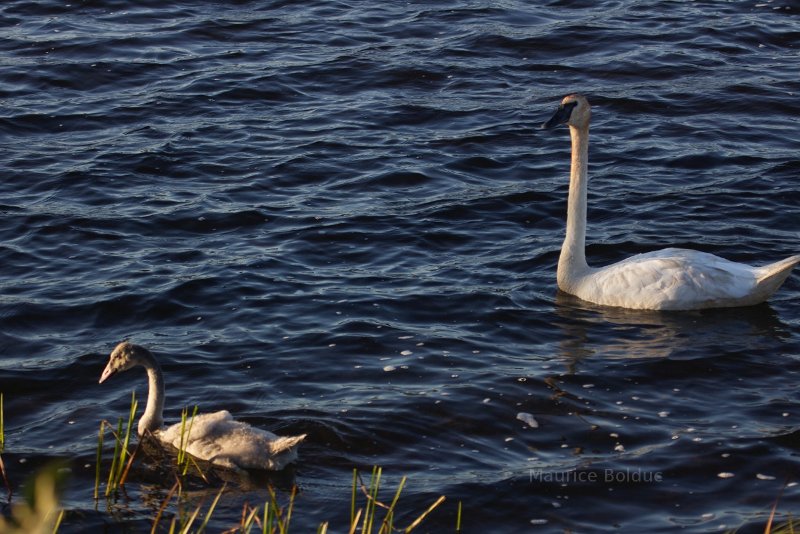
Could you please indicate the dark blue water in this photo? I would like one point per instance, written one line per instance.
(339, 218)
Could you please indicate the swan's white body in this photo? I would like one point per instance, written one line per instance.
(669, 279)
(214, 437)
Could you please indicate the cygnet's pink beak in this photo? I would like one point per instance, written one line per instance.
(108, 371)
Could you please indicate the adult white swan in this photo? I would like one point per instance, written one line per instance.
(669, 279)
(214, 437)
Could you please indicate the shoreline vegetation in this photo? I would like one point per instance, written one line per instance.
(39, 510)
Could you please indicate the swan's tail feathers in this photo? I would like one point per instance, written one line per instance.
(285, 443)
(770, 277)
(283, 452)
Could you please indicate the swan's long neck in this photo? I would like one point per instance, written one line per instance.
(572, 262)
(153, 418)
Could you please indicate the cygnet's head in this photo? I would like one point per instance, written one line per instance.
(123, 357)
(573, 111)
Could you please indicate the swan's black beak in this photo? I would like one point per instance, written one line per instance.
(561, 116)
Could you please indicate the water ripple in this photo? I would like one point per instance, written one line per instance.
(343, 220)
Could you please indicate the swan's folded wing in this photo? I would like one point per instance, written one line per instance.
(219, 439)
(203, 426)
(253, 448)
(669, 279)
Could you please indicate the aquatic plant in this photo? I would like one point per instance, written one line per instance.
(182, 523)
(785, 528)
(119, 468)
(39, 512)
(271, 518)
(371, 493)
(790, 527)
(184, 458)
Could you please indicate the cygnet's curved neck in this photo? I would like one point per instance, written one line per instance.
(153, 418)
(572, 262)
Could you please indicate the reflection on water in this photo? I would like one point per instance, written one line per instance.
(611, 333)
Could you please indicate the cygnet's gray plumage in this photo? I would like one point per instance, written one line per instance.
(215, 437)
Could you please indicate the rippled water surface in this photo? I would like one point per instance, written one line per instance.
(340, 218)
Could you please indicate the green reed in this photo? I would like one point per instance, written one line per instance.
(373, 504)
(272, 518)
(184, 524)
(119, 466)
(98, 460)
(184, 458)
(275, 519)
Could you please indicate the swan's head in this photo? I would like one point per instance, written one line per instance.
(573, 111)
(123, 357)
